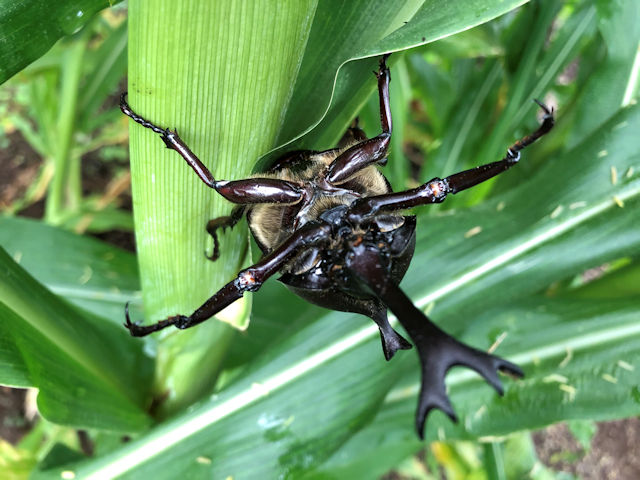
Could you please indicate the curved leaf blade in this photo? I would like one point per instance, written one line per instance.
(329, 92)
(69, 357)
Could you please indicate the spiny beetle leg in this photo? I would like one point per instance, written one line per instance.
(437, 189)
(255, 190)
(247, 280)
(224, 223)
(368, 151)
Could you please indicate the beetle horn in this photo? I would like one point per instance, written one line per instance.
(437, 350)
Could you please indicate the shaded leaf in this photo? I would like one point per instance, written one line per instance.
(91, 274)
(88, 372)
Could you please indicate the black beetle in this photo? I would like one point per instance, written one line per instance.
(329, 223)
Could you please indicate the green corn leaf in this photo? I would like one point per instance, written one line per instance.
(82, 270)
(580, 360)
(88, 373)
(328, 100)
(31, 28)
(287, 412)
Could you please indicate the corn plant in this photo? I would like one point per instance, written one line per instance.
(301, 392)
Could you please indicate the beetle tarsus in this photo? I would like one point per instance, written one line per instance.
(222, 222)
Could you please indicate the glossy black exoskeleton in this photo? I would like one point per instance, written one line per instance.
(330, 224)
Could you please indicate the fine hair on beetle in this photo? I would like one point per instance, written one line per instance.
(331, 226)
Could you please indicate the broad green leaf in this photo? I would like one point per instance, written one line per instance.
(221, 74)
(263, 410)
(287, 412)
(580, 361)
(31, 28)
(89, 372)
(327, 101)
(86, 272)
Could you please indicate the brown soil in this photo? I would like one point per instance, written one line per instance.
(614, 453)
(13, 422)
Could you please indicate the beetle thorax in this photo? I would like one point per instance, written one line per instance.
(271, 224)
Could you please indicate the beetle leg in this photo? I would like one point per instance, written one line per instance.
(248, 280)
(354, 134)
(253, 190)
(437, 189)
(437, 350)
(224, 223)
(373, 150)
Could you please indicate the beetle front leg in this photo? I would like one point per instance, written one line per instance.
(173, 141)
(373, 150)
(248, 280)
(437, 189)
(249, 191)
(222, 222)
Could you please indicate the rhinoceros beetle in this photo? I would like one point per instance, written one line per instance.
(329, 223)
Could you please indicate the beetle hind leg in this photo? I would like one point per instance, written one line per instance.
(222, 222)
(438, 351)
